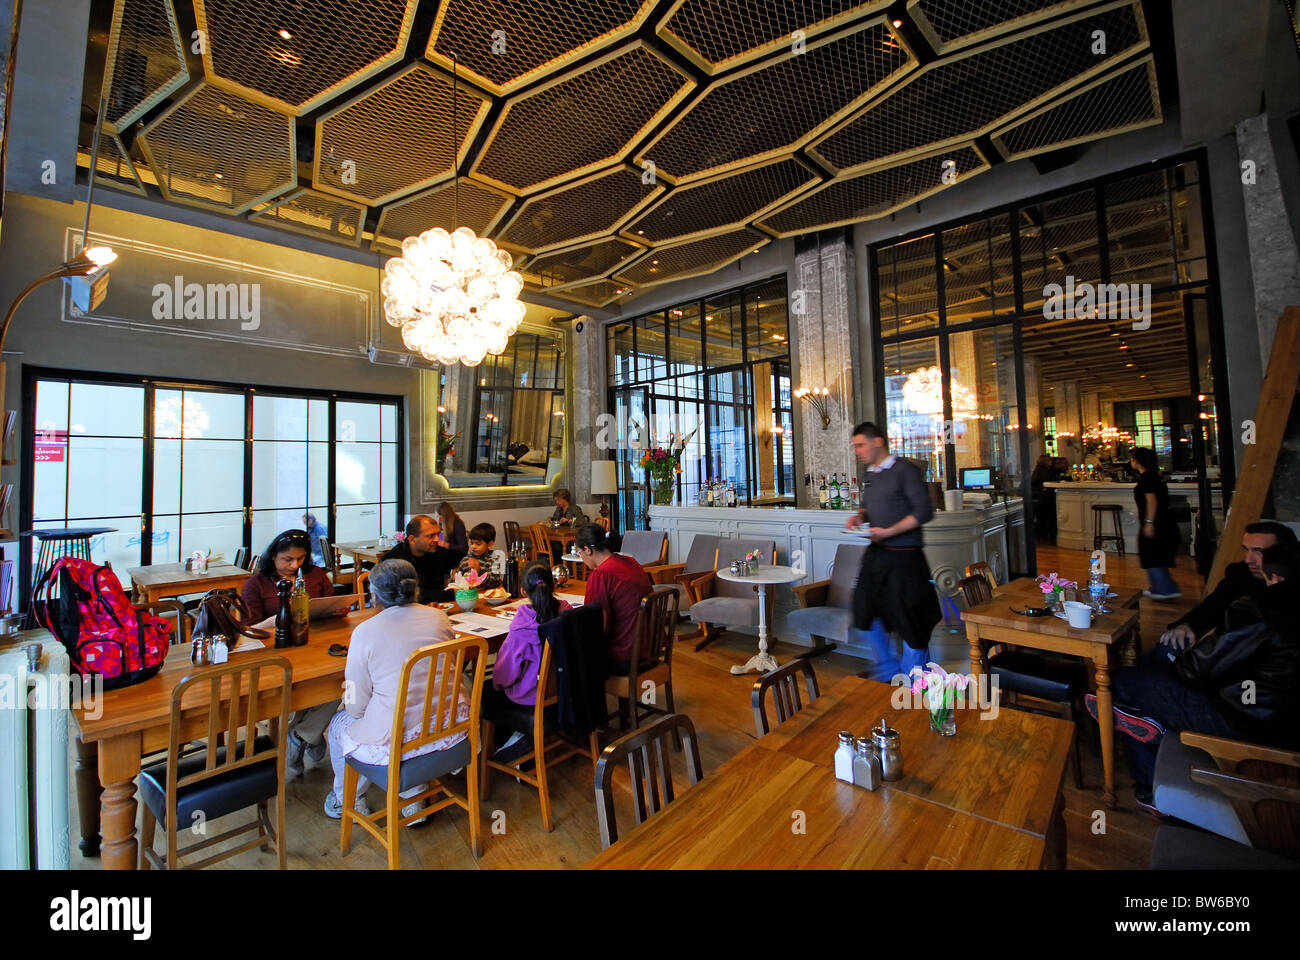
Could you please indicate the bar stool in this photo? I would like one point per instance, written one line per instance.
(56, 543)
(1099, 539)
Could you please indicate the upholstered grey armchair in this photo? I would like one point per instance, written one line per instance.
(725, 602)
(826, 606)
(646, 547)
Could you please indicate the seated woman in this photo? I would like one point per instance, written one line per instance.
(618, 584)
(566, 511)
(281, 560)
(378, 649)
(508, 702)
(451, 535)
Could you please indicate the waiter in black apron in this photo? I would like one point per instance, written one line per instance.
(894, 594)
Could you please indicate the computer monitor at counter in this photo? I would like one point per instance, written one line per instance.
(977, 478)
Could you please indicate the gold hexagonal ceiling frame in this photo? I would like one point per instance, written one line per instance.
(746, 241)
(290, 59)
(944, 39)
(570, 192)
(302, 209)
(543, 260)
(129, 33)
(478, 200)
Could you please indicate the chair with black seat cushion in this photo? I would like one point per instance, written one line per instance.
(649, 765)
(1052, 678)
(825, 611)
(718, 603)
(443, 666)
(184, 790)
(784, 684)
(646, 547)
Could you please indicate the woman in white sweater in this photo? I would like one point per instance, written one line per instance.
(376, 653)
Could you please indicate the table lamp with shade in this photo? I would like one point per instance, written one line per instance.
(604, 482)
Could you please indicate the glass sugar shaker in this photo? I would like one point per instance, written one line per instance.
(890, 750)
(844, 757)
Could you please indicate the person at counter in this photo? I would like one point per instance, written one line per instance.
(1242, 579)
(419, 549)
(1158, 537)
(894, 594)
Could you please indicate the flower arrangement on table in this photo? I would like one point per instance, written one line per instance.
(466, 585)
(754, 558)
(1054, 586)
(446, 444)
(663, 463)
(940, 692)
(199, 560)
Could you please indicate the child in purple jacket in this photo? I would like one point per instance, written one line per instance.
(508, 703)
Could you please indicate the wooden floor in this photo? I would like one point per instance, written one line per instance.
(718, 703)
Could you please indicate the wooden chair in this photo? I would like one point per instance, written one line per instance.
(541, 545)
(981, 568)
(825, 611)
(329, 558)
(362, 586)
(510, 530)
(652, 658)
(1050, 678)
(241, 558)
(647, 770)
(1263, 786)
(217, 780)
(702, 556)
(548, 751)
(647, 547)
(715, 603)
(603, 523)
(444, 665)
(172, 611)
(784, 684)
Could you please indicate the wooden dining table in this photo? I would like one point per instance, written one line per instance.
(1113, 636)
(125, 725)
(987, 798)
(363, 551)
(161, 580)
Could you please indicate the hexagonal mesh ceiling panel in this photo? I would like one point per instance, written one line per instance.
(318, 215)
(719, 34)
(949, 24)
(145, 61)
(113, 168)
(598, 294)
(693, 258)
(964, 96)
(1111, 105)
(535, 36)
(216, 150)
(477, 207)
(873, 194)
(719, 204)
(587, 209)
(294, 56)
(581, 264)
(582, 121)
(769, 109)
(396, 137)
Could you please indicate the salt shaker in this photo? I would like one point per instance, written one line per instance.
(218, 650)
(866, 765)
(844, 757)
(891, 754)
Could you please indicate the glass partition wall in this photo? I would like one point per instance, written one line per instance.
(1052, 327)
(716, 369)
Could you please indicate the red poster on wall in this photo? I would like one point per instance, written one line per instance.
(51, 446)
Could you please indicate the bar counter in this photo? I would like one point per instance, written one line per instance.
(1075, 500)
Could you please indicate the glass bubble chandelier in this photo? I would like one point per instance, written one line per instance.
(454, 295)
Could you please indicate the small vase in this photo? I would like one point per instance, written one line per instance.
(466, 599)
(1054, 601)
(944, 721)
(664, 492)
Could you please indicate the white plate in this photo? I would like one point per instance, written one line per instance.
(864, 534)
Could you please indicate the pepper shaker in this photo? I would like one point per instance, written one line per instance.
(199, 655)
(890, 750)
(866, 765)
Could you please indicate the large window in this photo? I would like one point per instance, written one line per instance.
(718, 367)
(992, 353)
(175, 468)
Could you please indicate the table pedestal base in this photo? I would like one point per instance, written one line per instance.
(762, 662)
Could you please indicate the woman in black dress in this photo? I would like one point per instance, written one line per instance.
(1158, 537)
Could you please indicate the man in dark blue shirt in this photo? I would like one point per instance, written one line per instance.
(894, 594)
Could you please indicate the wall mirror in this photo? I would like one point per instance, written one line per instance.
(501, 424)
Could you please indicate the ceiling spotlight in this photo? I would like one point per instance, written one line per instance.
(284, 34)
(898, 23)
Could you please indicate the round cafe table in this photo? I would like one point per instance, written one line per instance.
(763, 577)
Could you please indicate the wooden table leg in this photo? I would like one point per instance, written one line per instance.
(119, 764)
(976, 649)
(1106, 721)
(88, 796)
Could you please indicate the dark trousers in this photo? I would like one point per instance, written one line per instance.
(1152, 689)
(505, 715)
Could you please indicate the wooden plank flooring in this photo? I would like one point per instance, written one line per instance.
(718, 704)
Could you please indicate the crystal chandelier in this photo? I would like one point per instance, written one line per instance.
(454, 295)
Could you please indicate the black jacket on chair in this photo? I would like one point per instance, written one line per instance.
(581, 659)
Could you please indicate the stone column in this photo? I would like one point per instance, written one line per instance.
(585, 392)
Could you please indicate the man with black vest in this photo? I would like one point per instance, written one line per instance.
(894, 594)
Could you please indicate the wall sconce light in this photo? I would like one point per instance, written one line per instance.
(774, 432)
(820, 400)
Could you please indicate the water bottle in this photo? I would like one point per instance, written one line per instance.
(1096, 589)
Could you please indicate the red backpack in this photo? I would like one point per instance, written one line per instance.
(103, 632)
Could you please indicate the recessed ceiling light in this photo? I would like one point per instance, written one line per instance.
(284, 34)
(898, 23)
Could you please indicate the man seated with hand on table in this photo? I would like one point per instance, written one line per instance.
(1242, 579)
(419, 549)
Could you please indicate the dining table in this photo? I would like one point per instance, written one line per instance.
(363, 551)
(1112, 638)
(124, 725)
(161, 580)
(989, 797)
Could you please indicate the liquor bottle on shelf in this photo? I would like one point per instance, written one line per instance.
(823, 494)
(731, 494)
(854, 493)
(837, 497)
(709, 496)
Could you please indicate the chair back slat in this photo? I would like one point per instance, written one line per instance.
(652, 783)
(982, 569)
(442, 661)
(975, 590)
(786, 697)
(510, 530)
(656, 624)
(232, 724)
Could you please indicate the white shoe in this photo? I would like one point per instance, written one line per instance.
(334, 806)
(412, 808)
